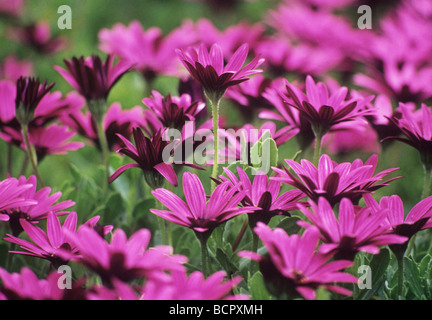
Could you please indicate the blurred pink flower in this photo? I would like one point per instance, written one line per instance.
(12, 68)
(11, 196)
(38, 36)
(41, 203)
(13, 8)
(179, 286)
(116, 121)
(149, 51)
(122, 258)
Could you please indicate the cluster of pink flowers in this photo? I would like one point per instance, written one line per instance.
(325, 87)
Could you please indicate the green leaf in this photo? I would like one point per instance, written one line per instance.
(257, 287)
(225, 261)
(114, 208)
(378, 267)
(290, 225)
(412, 278)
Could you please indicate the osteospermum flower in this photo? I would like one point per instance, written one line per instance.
(149, 51)
(282, 111)
(11, 191)
(148, 156)
(354, 229)
(53, 245)
(179, 286)
(27, 286)
(209, 69)
(94, 79)
(41, 204)
(335, 181)
(171, 111)
(196, 212)
(263, 193)
(116, 121)
(321, 109)
(292, 267)
(418, 218)
(122, 258)
(415, 129)
(29, 92)
(46, 244)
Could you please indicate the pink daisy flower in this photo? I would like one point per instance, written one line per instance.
(292, 268)
(354, 229)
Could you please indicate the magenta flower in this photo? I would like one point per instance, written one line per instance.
(38, 36)
(92, 77)
(148, 156)
(293, 268)
(239, 143)
(171, 111)
(115, 121)
(149, 51)
(29, 92)
(354, 229)
(124, 259)
(196, 212)
(263, 194)
(322, 110)
(12, 68)
(52, 139)
(335, 181)
(415, 129)
(11, 196)
(26, 286)
(209, 69)
(46, 245)
(40, 204)
(11, 8)
(418, 218)
(193, 287)
(53, 245)
(179, 286)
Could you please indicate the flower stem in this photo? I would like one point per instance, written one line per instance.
(204, 257)
(215, 117)
(400, 274)
(240, 235)
(426, 182)
(105, 150)
(255, 241)
(31, 154)
(162, 224)
(317, 151)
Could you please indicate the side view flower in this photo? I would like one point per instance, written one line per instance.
(292, 268)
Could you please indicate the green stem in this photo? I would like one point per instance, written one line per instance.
(215, 117)
(31, 154)
(162, 224)
(204, 256)
(317, 151)
(105, 150)
(400, 275)
(240, 235)
(426, 182)
(255, 241)
(9, 158)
